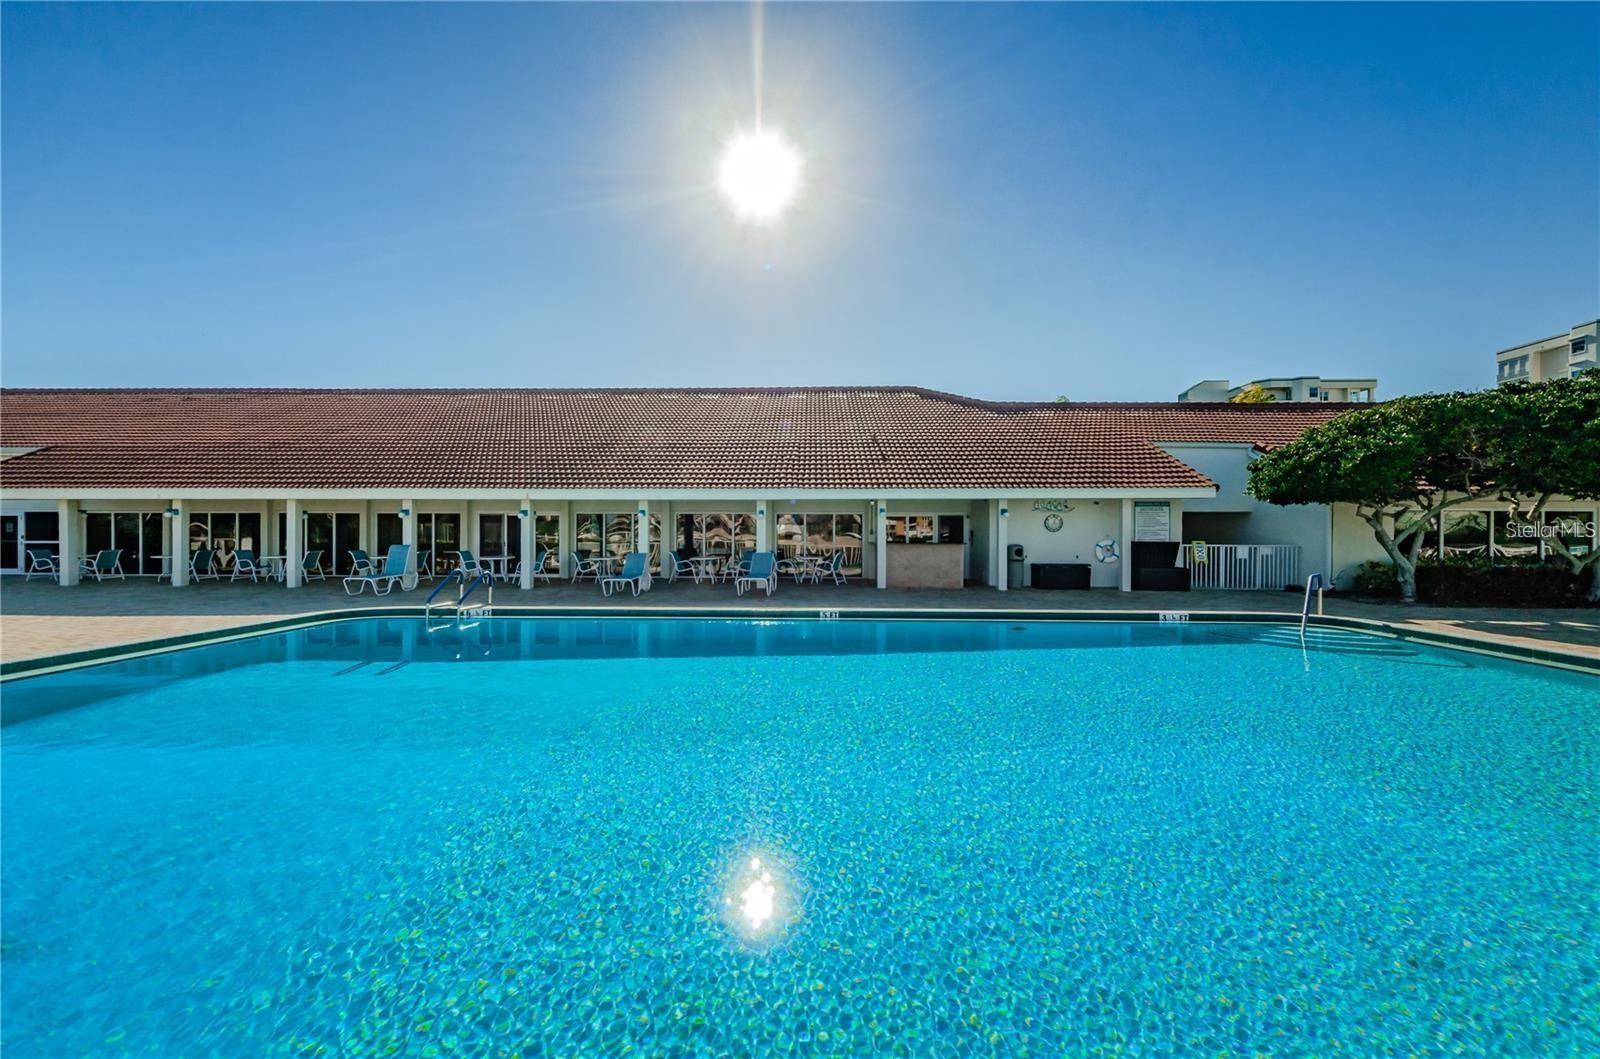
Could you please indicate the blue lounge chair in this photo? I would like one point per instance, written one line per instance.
(762, 573)
(469, 564)
(42, 561)
(107, 563)
(635, 572)
(382, 578)
(311, 566)
(736, 567)
(425, 563)
(583, 567)
(203, 564)
(245, 564)
(541, 566)
(677, 565)
(833, 568)
(361, 562)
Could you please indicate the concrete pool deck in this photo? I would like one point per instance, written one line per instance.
(40, 618)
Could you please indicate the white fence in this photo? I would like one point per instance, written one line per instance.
(1244, 567)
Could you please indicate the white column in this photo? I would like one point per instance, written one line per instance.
(880, 519)
(408, 536)
(469, 528)
(1002, 516)
(178, 543)
(641, 527)
(992, 579)
(529, 550)
(1125, 547)
(70, 544)
(763, 535)
(566, 532)
(292, 544)
(669, 533)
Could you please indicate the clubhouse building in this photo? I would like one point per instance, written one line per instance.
(910, 487)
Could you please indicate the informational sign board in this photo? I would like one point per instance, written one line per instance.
(1152, 520)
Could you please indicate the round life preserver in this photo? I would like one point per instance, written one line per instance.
(1106, 550)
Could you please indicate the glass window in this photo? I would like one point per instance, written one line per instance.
(744, 532)
(391, 531)
(619, 534)
(446, 541)
(847, 538)
(894, 529)
(154, 544)
(10, 542)
(491, 535)
(1466, 532)
(588, 537)
(346, 534)
(717, 535)
(951, 529)
(685, 538)
(819, 535)
(125, 530)
(919, 529)
(791, 535)
(547, 532)
(1513, 539)
(96, 533)
(43, 527)
(1575, 528)
(319, 537)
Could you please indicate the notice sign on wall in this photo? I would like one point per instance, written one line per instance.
(1152, 521)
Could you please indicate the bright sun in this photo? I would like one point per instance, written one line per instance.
(759, 175)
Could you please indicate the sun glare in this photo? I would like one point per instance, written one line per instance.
(759, 175)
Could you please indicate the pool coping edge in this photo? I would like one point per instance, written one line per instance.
(1569, 659)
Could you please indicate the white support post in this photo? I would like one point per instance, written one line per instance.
(178, 543)
(70, 544)
(529, 551)
(292, 544)
(880, 517)
(1002, 560)
(408, 537)
(641, 527)
(763, 537)
(567, 532)
(1125, 547)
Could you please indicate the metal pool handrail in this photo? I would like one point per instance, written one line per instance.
(1315, 581)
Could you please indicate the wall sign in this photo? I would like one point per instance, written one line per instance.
(1051, 505)
(1152, 520)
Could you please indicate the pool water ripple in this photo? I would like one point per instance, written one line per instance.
(964, 838)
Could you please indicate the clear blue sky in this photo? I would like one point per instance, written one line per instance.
(1007, 201)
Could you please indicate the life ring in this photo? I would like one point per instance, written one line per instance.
(1106, 550)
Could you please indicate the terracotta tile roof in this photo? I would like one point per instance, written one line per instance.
(804, 438)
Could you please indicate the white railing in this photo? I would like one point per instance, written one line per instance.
(1244, 567)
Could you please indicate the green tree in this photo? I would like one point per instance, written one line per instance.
(1400, 464)
(1251, 394)
(1546, 441)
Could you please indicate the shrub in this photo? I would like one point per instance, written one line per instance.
(1479, 584)
(1375, 579)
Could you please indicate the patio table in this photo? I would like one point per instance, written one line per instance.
(275, 564)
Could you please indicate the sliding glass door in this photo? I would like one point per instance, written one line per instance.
(141, 535)
(500, 535)
(820, 534)
(225, 532)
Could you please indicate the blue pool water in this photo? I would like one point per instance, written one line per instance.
(697, 837)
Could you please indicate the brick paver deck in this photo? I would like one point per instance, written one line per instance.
(42, 618)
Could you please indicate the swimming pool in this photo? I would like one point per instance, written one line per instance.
(576, 836)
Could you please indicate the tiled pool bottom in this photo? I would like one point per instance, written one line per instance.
(540, 837)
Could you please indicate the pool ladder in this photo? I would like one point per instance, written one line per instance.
(459, 607)
(1316, 582)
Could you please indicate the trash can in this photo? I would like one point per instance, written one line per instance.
(1016, 556)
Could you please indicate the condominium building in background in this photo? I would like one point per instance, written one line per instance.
(1292, 389)
(1562, 356)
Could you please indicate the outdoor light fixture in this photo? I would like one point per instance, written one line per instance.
(522, 512)
(405, 512)
(172, 512)
(1004, 512)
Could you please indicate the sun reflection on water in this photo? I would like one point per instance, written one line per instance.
(759, 900)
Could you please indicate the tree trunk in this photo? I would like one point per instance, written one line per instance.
(1405, 570)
